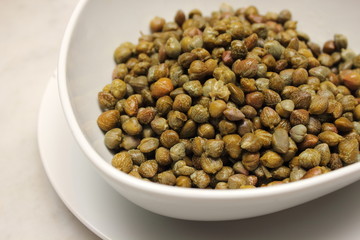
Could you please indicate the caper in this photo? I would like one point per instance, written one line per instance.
(309, 158)
(199, 113)
(177, 152)
(122, 161)
(148, 144)
(113, 138)
(172, 47)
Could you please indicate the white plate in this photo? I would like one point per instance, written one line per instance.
(110, 216)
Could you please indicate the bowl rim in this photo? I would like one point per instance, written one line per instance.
(160, 189)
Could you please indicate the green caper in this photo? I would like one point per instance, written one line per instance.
(113, 138)
(172, 47)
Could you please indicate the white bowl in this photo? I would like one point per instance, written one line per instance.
(97, 27)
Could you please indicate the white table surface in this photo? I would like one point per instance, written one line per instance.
(30, 38)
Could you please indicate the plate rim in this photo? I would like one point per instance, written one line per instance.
(41, 116)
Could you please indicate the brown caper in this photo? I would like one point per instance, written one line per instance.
(236, 94)
(193, 88)
(167, 178)
(177, 152)
(200, 178)
(349, 150)
(122, 161)
(233, 114)
(299, 116)
(172, 47)
(250, 160)
(315, 171)
(120, 71)
(108, 120)
(264, 137)
(232, 145)
(146, 115)
(157, 24)
(237, 180)
(271, 159)
(106, 100)
(238, 49)
(224, 173)
(299, 76)
(198, 146)
(198, 113)
(281, 172)
(164, 105)
(123, 52)
(148, 144)
(314, 126)
(162, 156)
(269, 117)
(132, 126)
(198, 70)
(169, 138)
(255, 99)
(250, 142)
(245, 68)
(344, 125)
(182, 102)
(249, 111)
(309, 158)
(330, 138)
(216, 108)
(214, 148)
(176, 119)
(309, 141)
(137, 156)
(183, 181)
(148, 168)
(210, 165)
(301, 99)
(206, 130)
(131, 105)
(189, 129)
(319, 105)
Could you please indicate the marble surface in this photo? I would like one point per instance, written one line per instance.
(31, 33)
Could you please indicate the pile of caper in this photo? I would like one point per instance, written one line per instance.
(233, 100)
